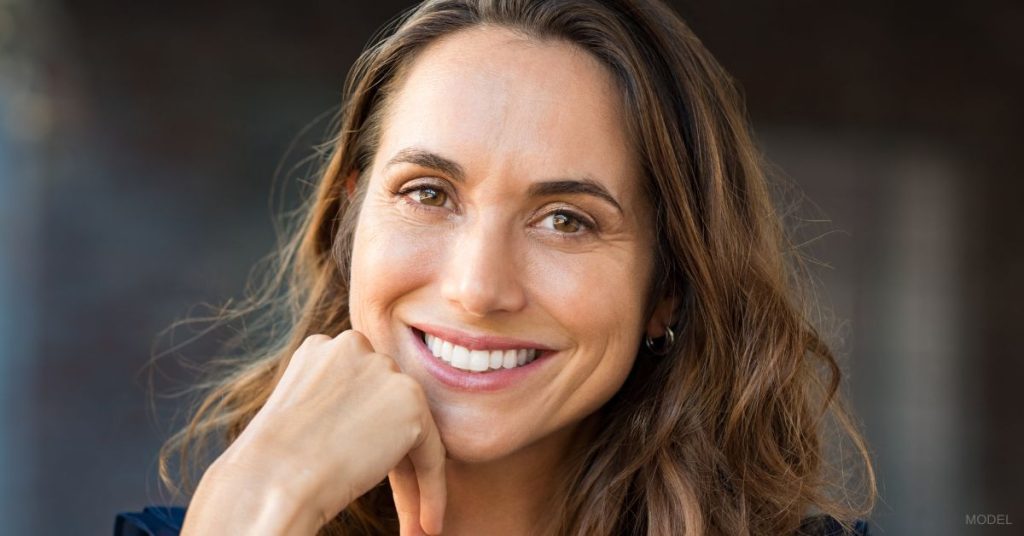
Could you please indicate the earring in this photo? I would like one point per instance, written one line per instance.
(670, 339)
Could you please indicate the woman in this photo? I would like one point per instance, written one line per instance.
(540, 289)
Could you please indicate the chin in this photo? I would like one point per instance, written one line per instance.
(476, 444)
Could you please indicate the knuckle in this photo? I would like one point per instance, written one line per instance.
(411, 389)
(308, 346)
(415, 430)
(351, 338)
(380, 362)
(314, 340)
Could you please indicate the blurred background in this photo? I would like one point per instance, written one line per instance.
(138, 147)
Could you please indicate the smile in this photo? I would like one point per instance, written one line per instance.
(463, 358)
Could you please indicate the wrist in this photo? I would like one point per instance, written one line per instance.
(233, 499)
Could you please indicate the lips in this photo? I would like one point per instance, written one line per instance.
(480, 342)
(463, 358)
(486, 379)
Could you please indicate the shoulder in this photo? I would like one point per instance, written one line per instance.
(823, 525)
(151, 521)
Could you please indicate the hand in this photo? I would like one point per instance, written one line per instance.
(341, 419)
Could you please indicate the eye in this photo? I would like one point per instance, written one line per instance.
(426, 194)
(567, 222)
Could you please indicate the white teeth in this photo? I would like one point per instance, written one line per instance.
(460, 357)
(477, 360)
(508, 359)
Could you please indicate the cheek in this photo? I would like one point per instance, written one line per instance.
(388, 262)
(595, 296)
(597, 300)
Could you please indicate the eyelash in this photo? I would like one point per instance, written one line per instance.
(586, 225)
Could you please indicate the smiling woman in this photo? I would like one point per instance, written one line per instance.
(541, 289)
(483, 243)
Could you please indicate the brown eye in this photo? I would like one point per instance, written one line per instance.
(565, 223)
(430, 196)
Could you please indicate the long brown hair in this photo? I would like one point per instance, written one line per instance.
(726, 434)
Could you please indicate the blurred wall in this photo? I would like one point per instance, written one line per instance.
(23, 128)
(138, 153)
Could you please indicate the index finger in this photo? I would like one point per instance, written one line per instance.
(427, 458)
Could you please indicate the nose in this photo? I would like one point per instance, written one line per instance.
(482, 275)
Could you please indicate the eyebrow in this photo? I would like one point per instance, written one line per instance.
(585, 185)
(427, 159)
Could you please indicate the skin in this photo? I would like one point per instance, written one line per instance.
(478, 254)
(483, 256)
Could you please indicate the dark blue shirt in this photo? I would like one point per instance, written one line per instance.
(167, 521)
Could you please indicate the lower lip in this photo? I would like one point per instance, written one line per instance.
(492, 380)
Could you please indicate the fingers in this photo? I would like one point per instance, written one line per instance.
(418, 482)
(406, 494)
(427, 458)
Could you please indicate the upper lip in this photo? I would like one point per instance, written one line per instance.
(473, 341)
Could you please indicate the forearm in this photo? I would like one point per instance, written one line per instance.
(230, 502)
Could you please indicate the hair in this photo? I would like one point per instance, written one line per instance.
(728, 432)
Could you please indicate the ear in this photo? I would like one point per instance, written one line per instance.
(661, 317)
(350, 182)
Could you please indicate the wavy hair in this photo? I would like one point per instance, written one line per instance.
(727, 433)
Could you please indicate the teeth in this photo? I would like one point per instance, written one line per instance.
(508, 359)
(494, 359)
(477, 360)
(460, 357)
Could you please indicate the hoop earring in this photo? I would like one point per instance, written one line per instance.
(670, 339)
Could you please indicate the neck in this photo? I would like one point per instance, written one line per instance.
(509, 495)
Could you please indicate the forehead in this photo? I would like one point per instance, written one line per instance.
(502, 104)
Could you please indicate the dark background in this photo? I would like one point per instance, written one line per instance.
(138, 148)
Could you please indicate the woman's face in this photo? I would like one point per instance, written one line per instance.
(504, 213)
